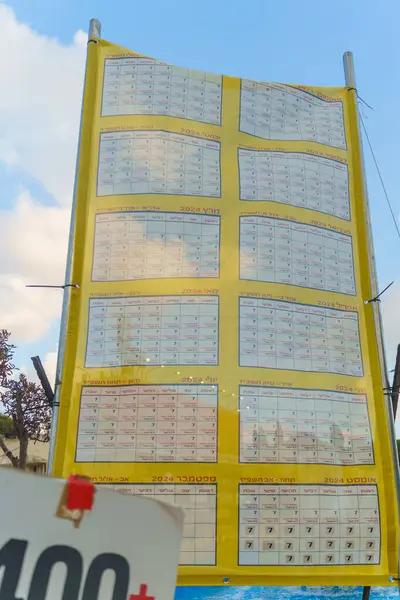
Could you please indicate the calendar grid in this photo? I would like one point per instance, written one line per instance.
(303, 426)
(309, 524)
(281, 251)
(158, 162)
(283, 112)
(144, 86)
(298, 337)
(155, 245)
(200, 502)
(153, 330)
(299, 179)
(148, 423)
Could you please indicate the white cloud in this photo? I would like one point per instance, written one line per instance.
(391, 325)
(390, 306)
(33, 243)
(41, 83)
(31, 233)
(25, 314)
(50, 364)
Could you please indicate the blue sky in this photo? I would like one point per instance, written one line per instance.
(291, 41)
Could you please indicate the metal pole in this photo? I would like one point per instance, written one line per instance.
(366, 592)
(396, 383)
(94, 28)
(94, 31)
(350, 79)
(44, 380)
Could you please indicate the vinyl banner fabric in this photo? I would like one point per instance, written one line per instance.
(220, 354)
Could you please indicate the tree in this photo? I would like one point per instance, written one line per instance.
(6, 426)
(6, 356)
(25, 403)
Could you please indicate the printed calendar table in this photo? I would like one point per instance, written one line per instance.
(309, 525)
(288, 425)
(148, 423)
(155, 245)
(153, 330)
(200, 504)
(281, 251)
(282, 112)
(299, 337)
(143, 86)
(295, 178)
(158, 162)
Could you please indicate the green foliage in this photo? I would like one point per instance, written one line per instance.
(6, 426)
(24, 404)
(6, 356)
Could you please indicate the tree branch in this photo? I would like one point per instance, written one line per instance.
(14, 460)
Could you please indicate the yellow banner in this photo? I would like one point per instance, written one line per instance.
(220, 354)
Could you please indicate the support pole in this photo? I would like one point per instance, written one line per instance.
(350, 80)
(94, 28)
(94, 32)
(366, 592)
(396, 383)
(44, 380)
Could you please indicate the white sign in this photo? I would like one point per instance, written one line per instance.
(125, 548)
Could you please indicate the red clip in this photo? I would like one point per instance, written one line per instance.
(80, 493)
